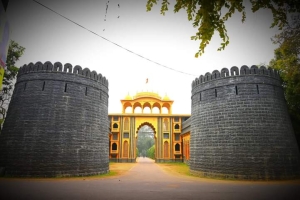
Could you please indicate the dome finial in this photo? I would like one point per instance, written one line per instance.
(128, 97)
(166, 98)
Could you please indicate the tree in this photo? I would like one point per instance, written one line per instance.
(15, 51)
(151, 152)
(210, 16)
(287, 62)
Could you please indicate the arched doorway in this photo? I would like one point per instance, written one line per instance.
(147, 132)
(145, 142)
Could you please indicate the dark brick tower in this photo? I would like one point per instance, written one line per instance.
(240, 126)
(57, 123)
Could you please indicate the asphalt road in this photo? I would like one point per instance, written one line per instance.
(146, 181)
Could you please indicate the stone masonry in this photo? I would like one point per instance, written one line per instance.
(240, 126)
(57, 123)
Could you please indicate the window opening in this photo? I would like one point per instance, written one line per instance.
(114, 146)
(43, 86)
(115, 125)
(166, 135)
(126, 135)
(177, 147)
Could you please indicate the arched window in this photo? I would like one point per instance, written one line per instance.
(126, 124)
(114, 146)
(177, 147)
(147, 110)
(115, 125)
(165, 110)
(128, 109)
(155, 110)
(137, 110)
(177, 126)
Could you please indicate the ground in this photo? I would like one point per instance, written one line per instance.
(145, 180)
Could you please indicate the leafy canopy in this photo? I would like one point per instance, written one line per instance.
(15, 51)
(287, 62)
(210, 16)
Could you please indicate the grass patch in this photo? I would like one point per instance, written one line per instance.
(115, 169)
(120, 168)
(176, 168)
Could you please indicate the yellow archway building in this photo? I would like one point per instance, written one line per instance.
(146, 108)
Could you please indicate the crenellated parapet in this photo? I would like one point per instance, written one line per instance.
(66, 68)
(235, 71)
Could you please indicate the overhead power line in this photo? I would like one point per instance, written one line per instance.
(113, 42)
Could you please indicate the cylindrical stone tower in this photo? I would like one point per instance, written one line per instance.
(57, 123)
(240, 126)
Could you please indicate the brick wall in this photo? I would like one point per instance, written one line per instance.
(57, 123)
(240, 127)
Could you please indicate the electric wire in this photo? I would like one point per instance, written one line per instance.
(113, 42)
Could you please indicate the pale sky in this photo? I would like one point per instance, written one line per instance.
(163, 39)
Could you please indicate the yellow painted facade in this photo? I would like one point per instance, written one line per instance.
(146, 108)
(186, 146)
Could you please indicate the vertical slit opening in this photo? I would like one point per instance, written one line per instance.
(43, 86)
(215, 92)
(200, 97)
(66, 85)
(86, 91)
(25, 86)
(236, 90)
(257, 89)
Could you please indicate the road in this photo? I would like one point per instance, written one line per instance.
(146, 181)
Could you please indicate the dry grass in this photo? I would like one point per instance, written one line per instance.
(120, 168)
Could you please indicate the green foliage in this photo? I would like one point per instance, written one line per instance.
(151, 152)
(15, 51)
(207, 15)
(287, 62)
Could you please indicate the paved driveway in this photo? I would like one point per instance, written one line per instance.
(146, 180)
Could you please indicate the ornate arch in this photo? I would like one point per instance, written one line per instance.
(137, 104)
(126, 105)
(148, 124)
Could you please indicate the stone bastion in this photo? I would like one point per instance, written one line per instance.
(57, 123)
(240, 127)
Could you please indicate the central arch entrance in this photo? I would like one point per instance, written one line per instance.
(146, 109)
(145, 141)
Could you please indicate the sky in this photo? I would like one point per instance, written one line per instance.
(163, 39)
